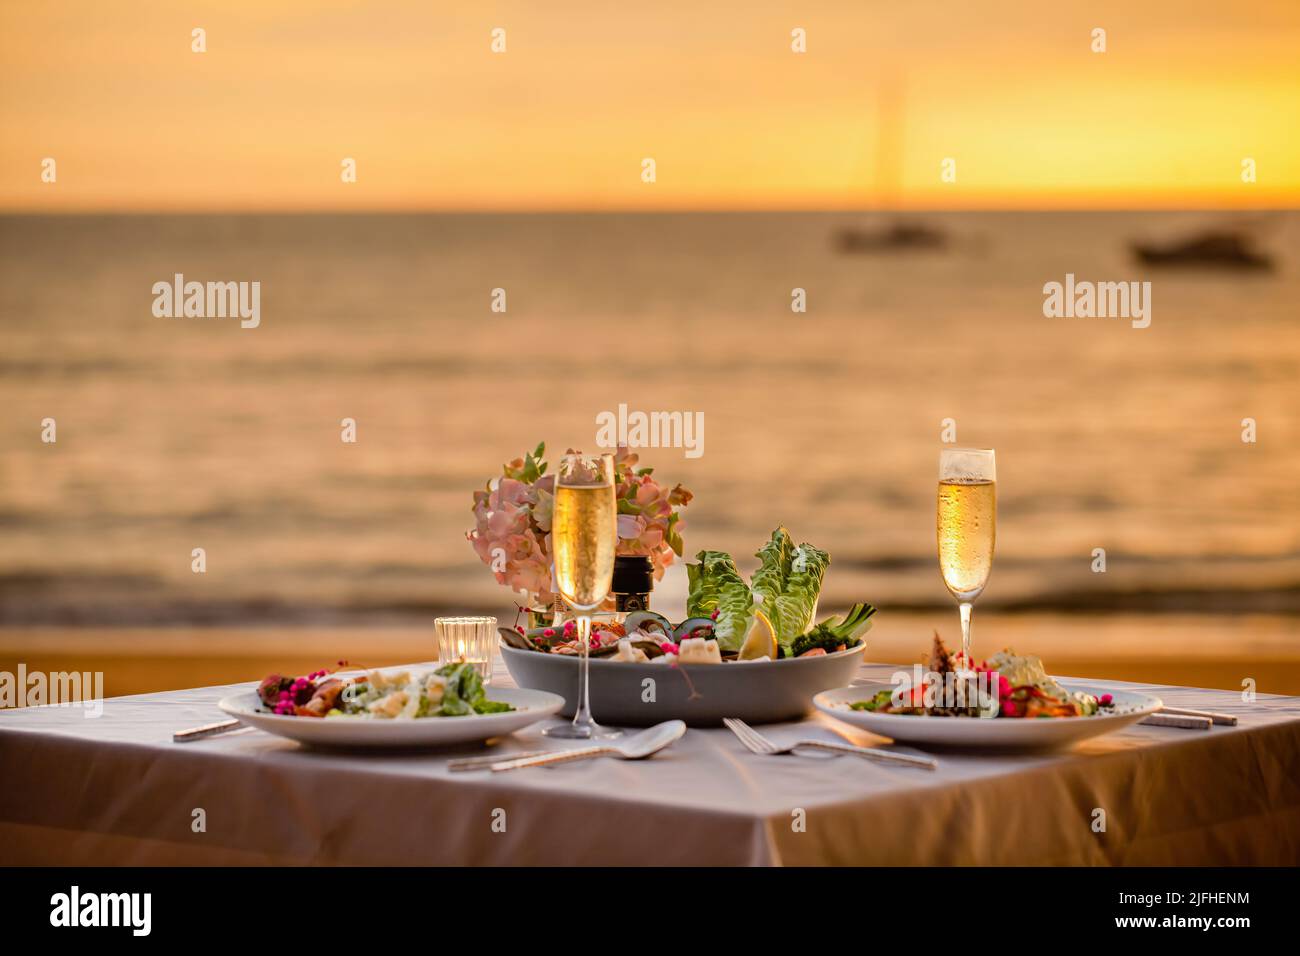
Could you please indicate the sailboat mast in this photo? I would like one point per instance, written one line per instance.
(889, 143)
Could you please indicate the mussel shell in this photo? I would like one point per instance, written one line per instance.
(683, 630)
(648, 621)
(516, 640)
(652, 650)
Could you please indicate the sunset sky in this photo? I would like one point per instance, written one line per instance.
(734, 119)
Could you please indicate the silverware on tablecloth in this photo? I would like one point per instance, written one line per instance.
(757, 743)
(207, 730)
(483, 763)
(1228, 720)
(635, 747)
(1185, 721)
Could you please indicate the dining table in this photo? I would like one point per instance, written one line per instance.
(113, 788)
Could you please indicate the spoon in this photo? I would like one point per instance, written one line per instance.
(636, 747)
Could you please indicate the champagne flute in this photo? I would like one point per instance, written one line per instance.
(966, 528)
(584, 537)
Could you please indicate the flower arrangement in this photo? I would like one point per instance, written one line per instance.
(512, 521)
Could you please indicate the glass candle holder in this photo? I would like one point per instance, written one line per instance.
(470, 639)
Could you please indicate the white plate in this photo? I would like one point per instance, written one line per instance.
(530, 707)
(1002, 733)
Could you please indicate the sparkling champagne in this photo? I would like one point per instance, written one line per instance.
(584, 536)
(967, 523)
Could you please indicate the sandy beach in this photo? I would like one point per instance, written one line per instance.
(1197, 651)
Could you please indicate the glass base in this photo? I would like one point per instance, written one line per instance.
(588, 731)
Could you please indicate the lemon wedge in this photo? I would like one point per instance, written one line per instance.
(761, 639)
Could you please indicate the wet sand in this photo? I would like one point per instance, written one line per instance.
(1199, 651)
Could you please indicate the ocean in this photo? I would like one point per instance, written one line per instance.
(183, 433)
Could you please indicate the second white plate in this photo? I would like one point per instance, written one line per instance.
(1001, 733)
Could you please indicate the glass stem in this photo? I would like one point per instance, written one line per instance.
(582, 716)
(967, 664)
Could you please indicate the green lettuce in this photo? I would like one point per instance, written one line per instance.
(787, 584)
(463, 684)
(789, 581)
(464, 693)
(834, 632)
(769, 580)
(716, 585)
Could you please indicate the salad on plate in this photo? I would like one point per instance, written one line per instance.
(1007, 685)
(453, 690)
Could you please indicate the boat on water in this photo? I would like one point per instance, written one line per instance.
(897, 236)
(1218, 249)
(893, 232)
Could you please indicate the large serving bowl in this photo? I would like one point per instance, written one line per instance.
(637, 695)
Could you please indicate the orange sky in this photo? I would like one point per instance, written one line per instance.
(1009, 89)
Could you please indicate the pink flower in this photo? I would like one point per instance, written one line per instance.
(630, 526)
(513, 514)
(652, 499)
(544, 509)
(506, 520)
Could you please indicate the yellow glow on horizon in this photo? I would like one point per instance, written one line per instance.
(733, 118)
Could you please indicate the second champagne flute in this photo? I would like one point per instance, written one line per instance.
(584, 537)
(967, 528)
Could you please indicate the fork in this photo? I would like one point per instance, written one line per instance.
(757, 743)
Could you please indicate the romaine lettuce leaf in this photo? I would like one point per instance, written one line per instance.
(789, 580)
(787, 584)
(716, 585)
(463, 685)
(798, 601)
(769, 580)
(464, 693)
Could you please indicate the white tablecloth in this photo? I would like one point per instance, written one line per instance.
(117, 790)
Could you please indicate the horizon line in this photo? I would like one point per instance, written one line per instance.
(15, 212)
